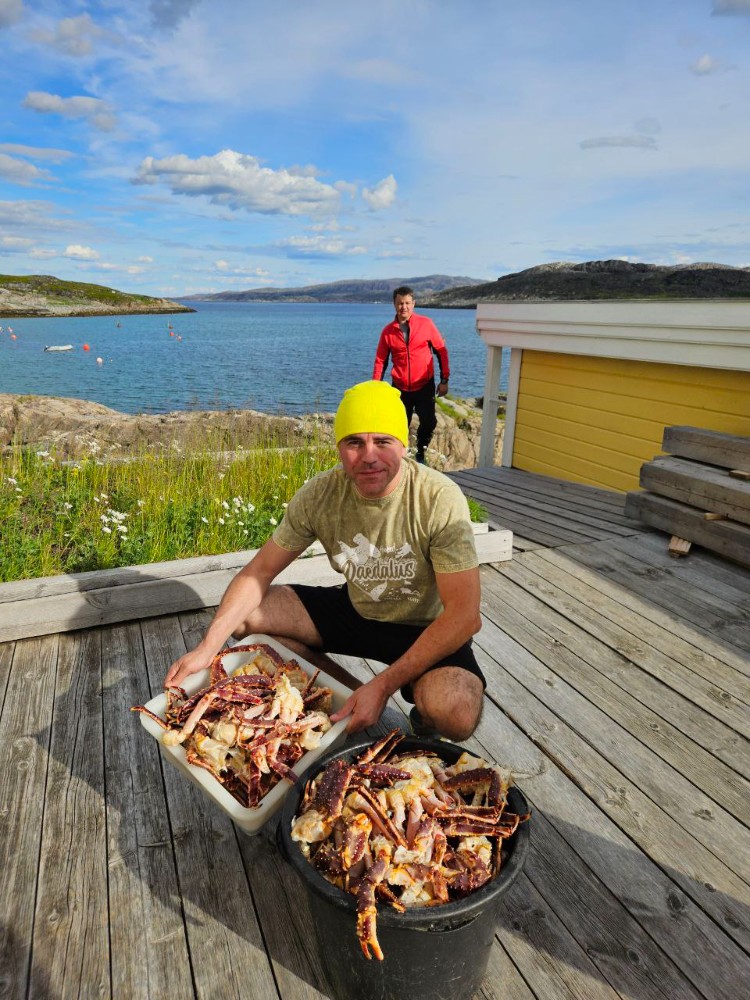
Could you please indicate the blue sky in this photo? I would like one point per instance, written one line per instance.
(177, 146)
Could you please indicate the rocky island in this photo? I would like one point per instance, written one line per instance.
(42, 295)
(563, 281)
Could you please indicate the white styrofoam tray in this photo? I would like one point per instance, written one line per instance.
(249, 820)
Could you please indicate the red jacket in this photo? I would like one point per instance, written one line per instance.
(412, 363)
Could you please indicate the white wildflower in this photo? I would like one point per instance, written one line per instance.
(106, 529)
(225, 505)
(141, 503)
(122, 528)
(11, 480)
(221, 520)
(205, 520)
(68, 506)
(273, 520)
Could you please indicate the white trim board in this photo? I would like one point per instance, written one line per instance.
(707, 334)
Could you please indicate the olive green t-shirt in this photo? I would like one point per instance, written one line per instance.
(390, 548)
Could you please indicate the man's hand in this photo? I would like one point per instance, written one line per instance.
(188, 664)
(442, 389)
(364, 707)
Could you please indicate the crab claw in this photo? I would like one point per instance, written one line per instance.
(367, 912)
(381, 750)
(331, 790)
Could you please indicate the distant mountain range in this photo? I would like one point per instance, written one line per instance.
(379, 290)
(603, 279)
(562, 280)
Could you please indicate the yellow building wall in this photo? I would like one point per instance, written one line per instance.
(597, 420)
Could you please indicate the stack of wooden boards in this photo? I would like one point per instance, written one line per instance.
(698, 492)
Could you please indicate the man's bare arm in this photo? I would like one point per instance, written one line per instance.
(455, 625)
(241, 598)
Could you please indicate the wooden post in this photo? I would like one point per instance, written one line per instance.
(489, 407)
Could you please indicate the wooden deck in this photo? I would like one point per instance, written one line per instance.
(618, 691)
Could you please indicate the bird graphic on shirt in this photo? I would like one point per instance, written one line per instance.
(356, 555)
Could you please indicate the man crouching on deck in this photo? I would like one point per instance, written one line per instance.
(401, 535)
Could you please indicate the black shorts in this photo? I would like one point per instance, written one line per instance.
(344, 630)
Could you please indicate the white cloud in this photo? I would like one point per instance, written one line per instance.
(21, 172)
(224, 267)
(382, 195)
(318, 246)
(634, 141)
(101, 265)
(36, 152)
(14, 244)
(738, 8)
(706, 65)
(40, 254)
(238, 181)
(78, 252)
(30, 216)
(11, 11)
(74, 36)
(96, 112)
(145, 260)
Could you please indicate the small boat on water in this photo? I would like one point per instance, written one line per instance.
(60, 347)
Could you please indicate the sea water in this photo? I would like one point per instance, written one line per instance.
(275, 357)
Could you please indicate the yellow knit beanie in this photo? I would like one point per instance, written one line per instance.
(371, 407)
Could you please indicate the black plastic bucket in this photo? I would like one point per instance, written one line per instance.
(431, 953)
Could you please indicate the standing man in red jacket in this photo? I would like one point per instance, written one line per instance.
(411, 340)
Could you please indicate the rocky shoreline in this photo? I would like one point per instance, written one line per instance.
(74, 429)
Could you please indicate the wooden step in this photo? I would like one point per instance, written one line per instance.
(727, 538)
(702, 486)
(730, 451)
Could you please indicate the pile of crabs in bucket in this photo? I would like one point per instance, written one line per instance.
(392, 824)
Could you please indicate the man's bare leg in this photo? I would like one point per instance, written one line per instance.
(450, 699)
(283, 616)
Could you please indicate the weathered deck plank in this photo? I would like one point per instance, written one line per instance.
(581, 663)
(617, 794)
(71, 940)
(24, 727)
(140, 850)
(657, 688)
(224, 936)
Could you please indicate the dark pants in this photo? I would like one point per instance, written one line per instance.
(423, 402)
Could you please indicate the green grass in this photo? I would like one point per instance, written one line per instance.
(71, 290)
(478, 512)
(70, 518)
(73, 517)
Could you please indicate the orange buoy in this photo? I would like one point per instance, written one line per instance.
(12, 336)
(171, 333)
(86, 347)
